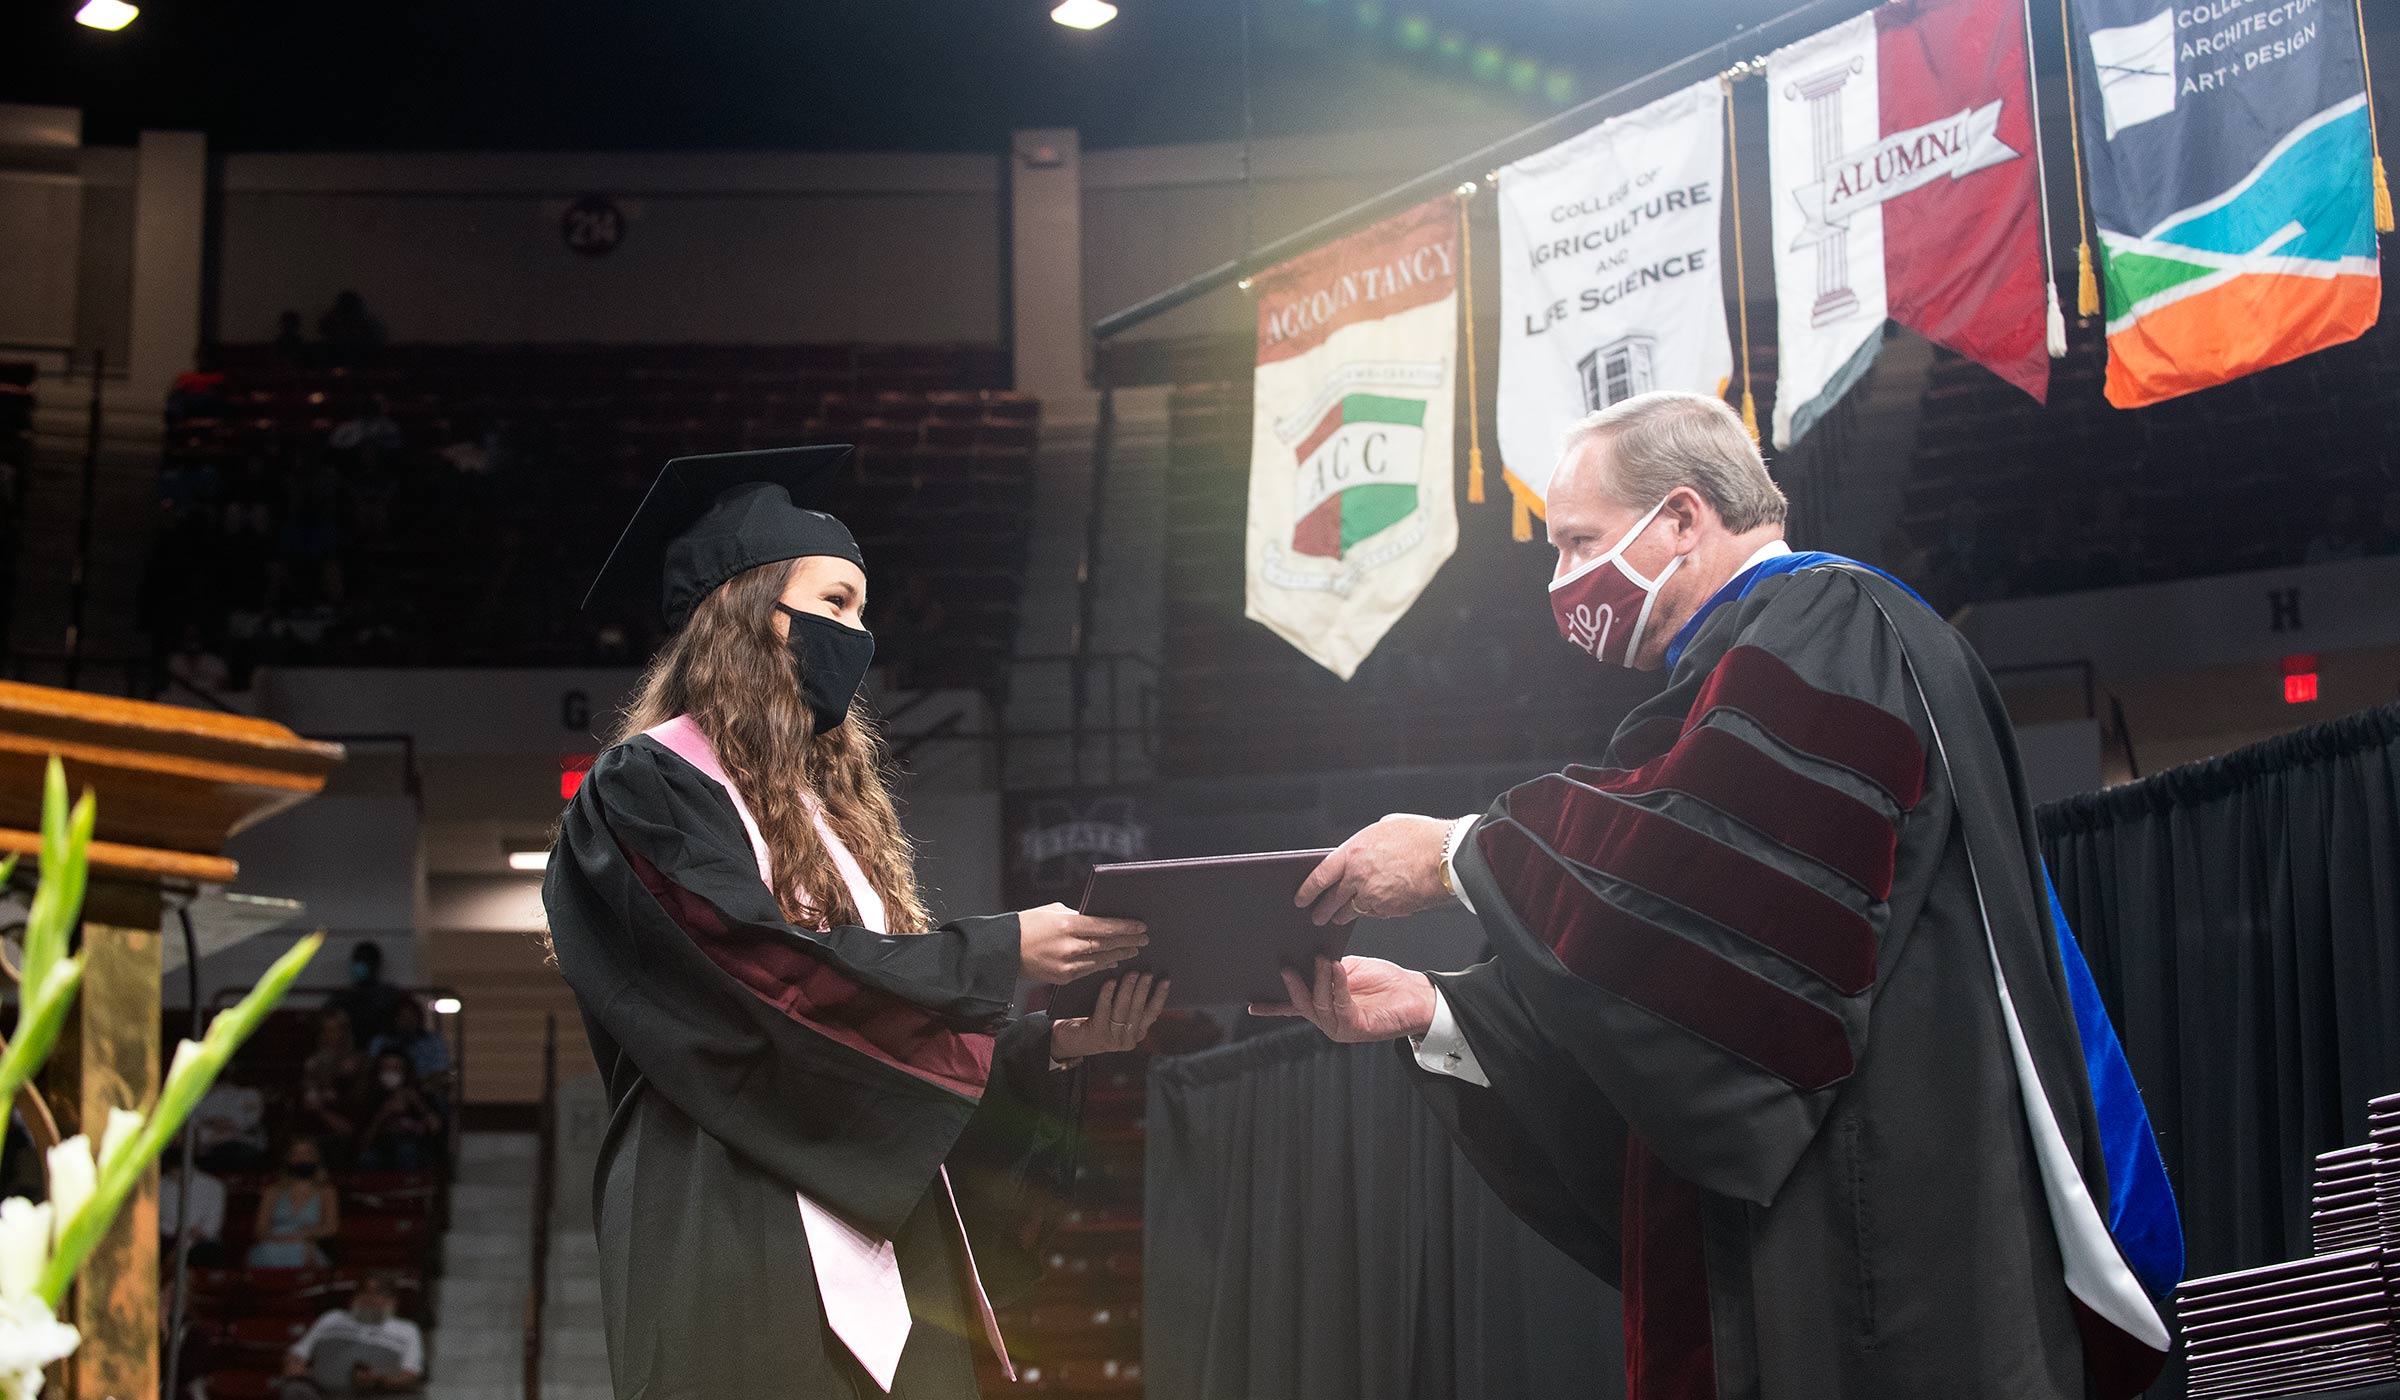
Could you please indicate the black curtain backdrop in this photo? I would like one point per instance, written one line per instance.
(2242, 920)
(1312, 1235)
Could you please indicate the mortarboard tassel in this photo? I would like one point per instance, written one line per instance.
(2383, 199)
(1749, 413)
(2087, 286)
(2056, 324)
(1475, 475)
(1520, 520)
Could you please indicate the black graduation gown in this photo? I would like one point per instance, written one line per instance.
(1747, 1055)
(747, 1059)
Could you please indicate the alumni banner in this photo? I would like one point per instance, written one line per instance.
(1905, 185)
(1352, 508)
(1609, 283)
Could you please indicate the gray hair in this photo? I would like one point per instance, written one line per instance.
(1665, 439)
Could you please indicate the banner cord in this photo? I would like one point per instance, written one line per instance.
(2366, 65)
(2055, 321)
(1741, 278)
(1466, 294)
(2087, 284)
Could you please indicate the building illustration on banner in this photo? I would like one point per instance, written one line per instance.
(1619, 370)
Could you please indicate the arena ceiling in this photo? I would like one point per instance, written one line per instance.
(816, 75)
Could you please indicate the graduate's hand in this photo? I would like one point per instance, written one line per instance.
(1391, 869)
(1056, 945)
(1358, 999)
(1128, 1007)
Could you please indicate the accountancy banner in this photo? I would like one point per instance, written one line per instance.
(1609, 280)
(2228, 151)
(1352, 503)
(1905, 184)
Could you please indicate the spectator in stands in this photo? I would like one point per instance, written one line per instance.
(291, 343)
(364, 1349)
(206, 1194)
(2341, 533)
(348, 330)
(297, 1213)
(332, 1080)
(2046, 559)
(2112, 552)
(229, 1126)
(194, 673)
(428, 1055)
(2386, 536)
(368, 1001)
(198, 392)
(374, 428)
(401, 1133)
(1969, 558)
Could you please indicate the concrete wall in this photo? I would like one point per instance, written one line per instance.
(719, 248)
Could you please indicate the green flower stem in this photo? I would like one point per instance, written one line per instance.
(58, 900)
(188, 1079)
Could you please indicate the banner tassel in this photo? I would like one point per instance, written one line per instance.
(2087, 286)
(2383, 188)
(1520, 520)
(1741, 274)
(2056, 324)
(1466, 293)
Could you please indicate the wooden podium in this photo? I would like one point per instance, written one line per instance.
(173, 784)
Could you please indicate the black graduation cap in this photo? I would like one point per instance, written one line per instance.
(709, 518)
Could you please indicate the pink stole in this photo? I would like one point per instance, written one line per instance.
(858, 1275)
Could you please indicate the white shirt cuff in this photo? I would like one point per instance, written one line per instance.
(1443, 1049)
(1458, 838)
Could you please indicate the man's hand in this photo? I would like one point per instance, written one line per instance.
(1128, 1007)
(1056, 945)
(1358, 999)
(1391, 869)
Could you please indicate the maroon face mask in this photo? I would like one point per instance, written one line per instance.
(1604, 606)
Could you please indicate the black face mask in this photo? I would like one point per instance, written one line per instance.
(832, 661)
(301, 1171)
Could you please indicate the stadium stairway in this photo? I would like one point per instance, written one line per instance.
(574, 1351)
(479, 1318)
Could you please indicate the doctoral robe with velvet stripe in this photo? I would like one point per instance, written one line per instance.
(748, 1059)
(1747, 1046)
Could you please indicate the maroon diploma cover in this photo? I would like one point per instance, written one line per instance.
(1220, 926)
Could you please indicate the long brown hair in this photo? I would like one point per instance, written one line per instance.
(733, 674)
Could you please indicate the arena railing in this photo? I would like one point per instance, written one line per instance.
(545, 1189)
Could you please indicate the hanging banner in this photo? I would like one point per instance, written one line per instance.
(2228, 155)
(1905, 184)
(1609, 285)
(1352, 507)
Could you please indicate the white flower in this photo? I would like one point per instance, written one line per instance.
(186, 1052)
(72, 1177)
(123, 1125)
(30, 1338)
(24, 1248)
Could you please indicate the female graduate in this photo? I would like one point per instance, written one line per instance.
(829, 1143)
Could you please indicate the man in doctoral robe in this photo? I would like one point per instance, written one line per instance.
(1783, 1033)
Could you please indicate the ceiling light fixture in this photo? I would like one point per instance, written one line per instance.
(529, 860)
(1074, 14)
(111, 15)
(445, 1006)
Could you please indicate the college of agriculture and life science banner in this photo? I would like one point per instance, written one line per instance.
(1609, 282)
(1352, 505)
(2228, 155)
(1906, 184)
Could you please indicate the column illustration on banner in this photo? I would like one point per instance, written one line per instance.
(1352, 503)
(1609, 280)
(2231, 165)
(1905, 185)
